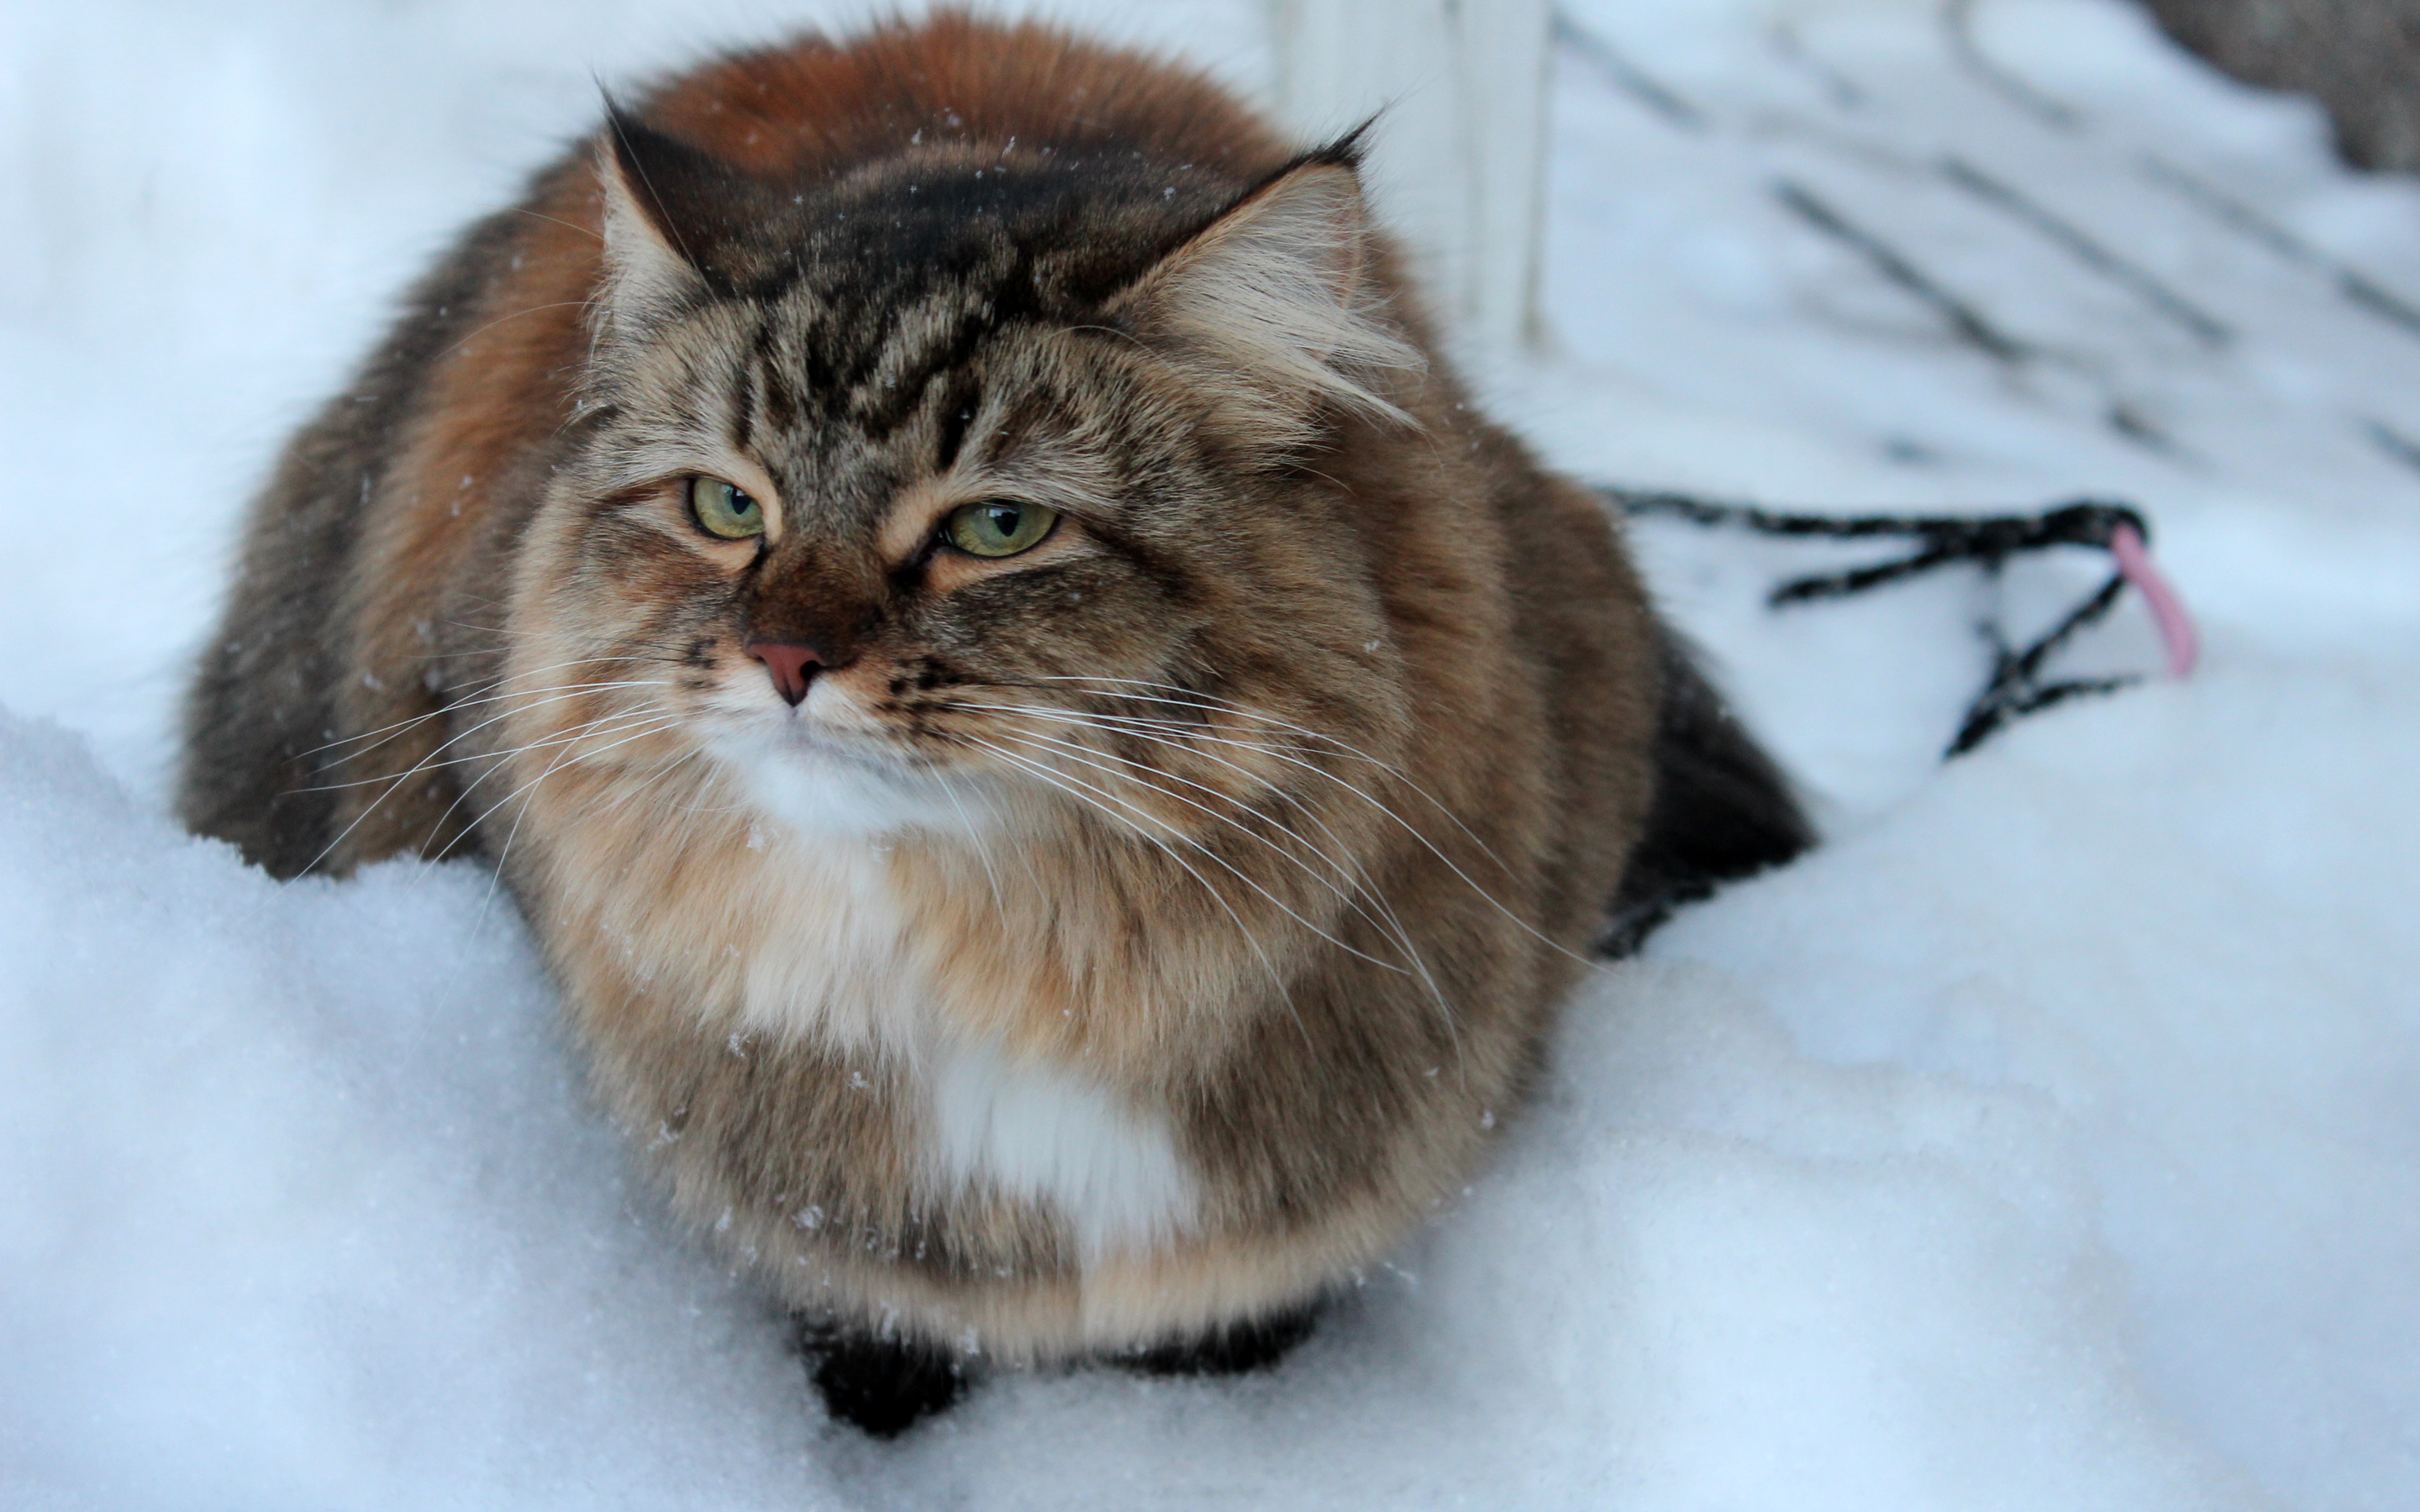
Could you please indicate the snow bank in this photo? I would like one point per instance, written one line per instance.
(319, 1219)
(2050, 1140)
(303, 1209)
(2180, 923)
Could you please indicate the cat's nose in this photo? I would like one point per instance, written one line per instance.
(793, 664)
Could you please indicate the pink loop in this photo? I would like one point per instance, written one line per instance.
(2167, 610)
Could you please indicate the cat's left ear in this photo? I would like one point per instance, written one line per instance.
(1275, 305)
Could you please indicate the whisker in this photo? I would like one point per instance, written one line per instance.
(566, 224)
(568, 754)
(603, 724)
(1409, 828)
(982, 852)
(1143, 730)
(544, 696)
(1365, 897)
(1213, 855)
(1205, 703)
(483, 686)
(1087, 722)
(394, 786)
(504, 319)
(432, 761)
(1037, 769)
(631, 794)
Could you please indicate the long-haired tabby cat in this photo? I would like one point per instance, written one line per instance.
(1061, 768)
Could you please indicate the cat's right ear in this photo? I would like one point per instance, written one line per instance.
(666, 206)
(1274, 308)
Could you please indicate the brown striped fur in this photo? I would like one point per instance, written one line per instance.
(1302, 889)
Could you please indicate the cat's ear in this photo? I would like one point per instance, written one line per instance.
(677, 221)
(1274, 305)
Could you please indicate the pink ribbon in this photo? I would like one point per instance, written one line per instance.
(2167, 610)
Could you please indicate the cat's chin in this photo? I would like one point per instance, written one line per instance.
(826, 792)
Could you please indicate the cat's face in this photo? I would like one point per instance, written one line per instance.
(967, 516)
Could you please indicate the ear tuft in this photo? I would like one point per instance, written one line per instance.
(1346, 151)
(1272, 302)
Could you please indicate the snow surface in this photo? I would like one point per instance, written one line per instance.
(2047, 1140)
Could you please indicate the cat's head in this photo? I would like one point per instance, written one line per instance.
(979, 473)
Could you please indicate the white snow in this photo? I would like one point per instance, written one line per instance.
(2051, 1140)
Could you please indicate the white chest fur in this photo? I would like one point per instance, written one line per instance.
(1037, 1132)
(833, 961)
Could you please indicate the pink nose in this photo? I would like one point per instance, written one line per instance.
(791, 663)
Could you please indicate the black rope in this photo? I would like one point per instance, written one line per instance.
(2015, 687)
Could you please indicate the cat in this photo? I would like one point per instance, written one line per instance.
(1061, 766)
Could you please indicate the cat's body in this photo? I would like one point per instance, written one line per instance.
(1084, 947)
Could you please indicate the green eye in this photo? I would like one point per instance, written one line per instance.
(999, 527)
(723, 510)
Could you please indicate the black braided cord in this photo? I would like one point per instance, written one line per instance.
(2015, 687)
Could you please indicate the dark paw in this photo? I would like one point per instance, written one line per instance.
(1233, 1350)
(882, 1386)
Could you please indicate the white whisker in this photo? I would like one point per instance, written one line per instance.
(486, 686)
(1213, 855)
(607, 724)
(1492, 901)
(1364, 895)
(1042, 773)
(982, 852)
(394, 786)
(1208, 702)
(569, 754)
(539, 697)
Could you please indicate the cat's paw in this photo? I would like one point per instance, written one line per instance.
(881, 1386)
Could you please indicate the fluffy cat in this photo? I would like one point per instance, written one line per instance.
(1061, 768)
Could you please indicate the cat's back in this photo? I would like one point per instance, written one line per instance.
(820, 107)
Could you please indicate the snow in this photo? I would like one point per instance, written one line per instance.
(303, 1209)
(2050, 1139)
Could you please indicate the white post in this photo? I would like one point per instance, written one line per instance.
(1457, 162)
